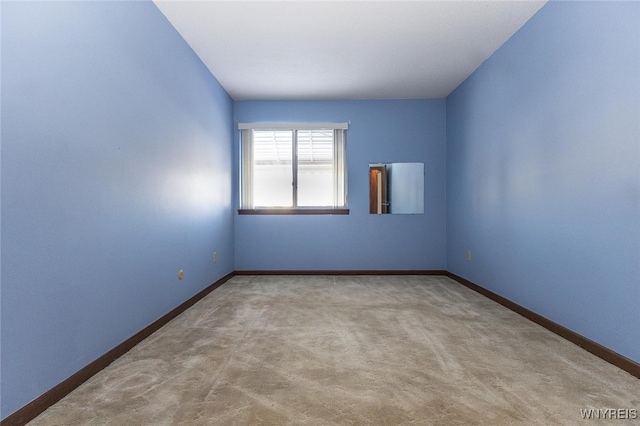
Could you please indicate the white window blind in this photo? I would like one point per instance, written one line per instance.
(293, 166)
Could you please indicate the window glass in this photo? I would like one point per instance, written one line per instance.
(316, 170)
(293, 168)
(272, 169)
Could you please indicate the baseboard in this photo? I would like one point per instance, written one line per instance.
(55, 394)
(345, 272)
(597, 349)
(44, 401)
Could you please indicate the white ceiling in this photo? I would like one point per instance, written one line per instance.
(345, 49)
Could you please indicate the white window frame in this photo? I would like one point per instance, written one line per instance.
(246, 168)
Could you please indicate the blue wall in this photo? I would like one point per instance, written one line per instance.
(119, 167)
(543, 171)
(380, 131)
(116, 173)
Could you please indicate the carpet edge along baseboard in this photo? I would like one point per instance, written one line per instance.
(55, 394)
(589, 345)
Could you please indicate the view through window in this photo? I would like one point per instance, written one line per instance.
(293, 168)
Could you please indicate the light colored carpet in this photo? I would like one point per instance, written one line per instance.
(348, 350)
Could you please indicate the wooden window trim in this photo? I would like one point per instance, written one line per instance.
(292, 211)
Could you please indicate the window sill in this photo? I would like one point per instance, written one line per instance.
(288, 211)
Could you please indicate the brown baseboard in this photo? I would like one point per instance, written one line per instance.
(597, 349)
(55, 394)
(40, 404)
(345, 272)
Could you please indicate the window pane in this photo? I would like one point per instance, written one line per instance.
(315, 168)
(272, 173)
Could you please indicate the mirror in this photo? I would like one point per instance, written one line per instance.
(396, 188)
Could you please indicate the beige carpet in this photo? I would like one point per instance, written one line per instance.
(348, 350)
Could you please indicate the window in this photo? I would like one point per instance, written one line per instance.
(293, 168)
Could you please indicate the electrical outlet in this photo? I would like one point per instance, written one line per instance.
(180, 274)
(215, 256)
(468, 256)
